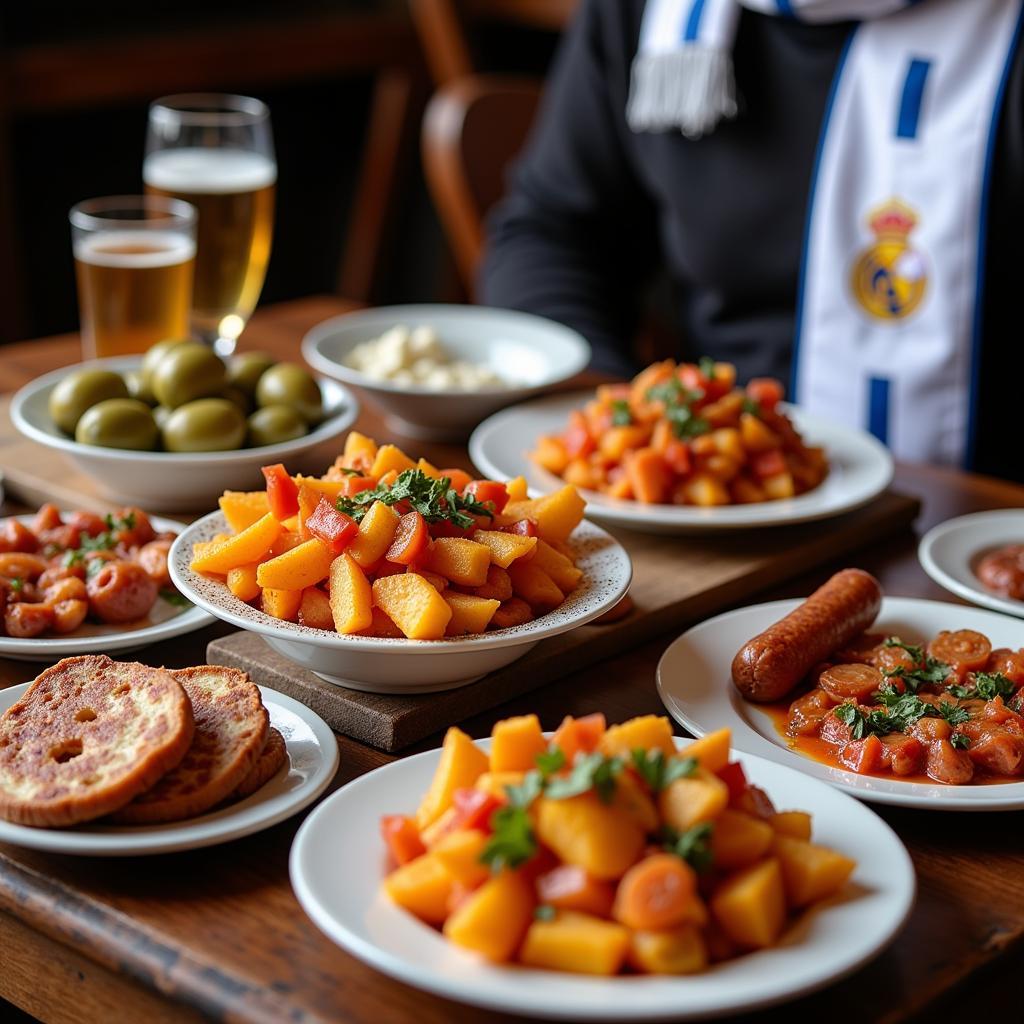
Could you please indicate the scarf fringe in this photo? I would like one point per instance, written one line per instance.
(691, 90)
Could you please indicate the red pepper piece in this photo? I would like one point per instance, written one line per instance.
(459, 478)
(524, 527)
(473, 809)
(677, 457)
(769, 463)
(411, 539)
(282, 492)
(331, 526)
(486, 491)
(402, 837)
(766, 391)
(733, 776)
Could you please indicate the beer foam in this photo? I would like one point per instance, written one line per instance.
(208, 170)
(166, 249)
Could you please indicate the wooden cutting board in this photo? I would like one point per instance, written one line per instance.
(676, 581)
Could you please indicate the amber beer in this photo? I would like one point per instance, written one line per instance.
(233, 190)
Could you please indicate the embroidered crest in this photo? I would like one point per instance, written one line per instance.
(890, 276)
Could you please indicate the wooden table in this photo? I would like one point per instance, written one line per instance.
(218, 932)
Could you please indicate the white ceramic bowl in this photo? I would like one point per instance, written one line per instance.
(386, 665)
(173, 481)
(530, 352)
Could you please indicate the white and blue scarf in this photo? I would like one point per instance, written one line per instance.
(888, 319)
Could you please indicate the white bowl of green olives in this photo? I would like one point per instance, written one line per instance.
(173, 429)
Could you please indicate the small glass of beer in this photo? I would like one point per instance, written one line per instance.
(217, 153)
(134, 259)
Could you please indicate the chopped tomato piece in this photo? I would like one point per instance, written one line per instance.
(411, 539)
(353, 485)
(568, 887)
(331, 526)
(576, 735)
(677, 457)
(524, 527)
(486, 491)
(766, 391)
(282, 492)
(459, 478)
(692, 379)
(863, 756)
(576, 439)
(769, 463)
(402, 837)
(473, 808)
(735, 778)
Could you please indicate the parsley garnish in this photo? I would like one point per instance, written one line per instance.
(1017, 704)
(101, 542)
(122, 523)
(658, 771)
(17, 584)
(621, 414)
(669, 392)
(751, 406)
(899, 711)
(550, 762)
(512, 842)
(527, 791)
(347, 471)
(544, 912)
(435, 499)
(706, 365)
(589, 771)
(915, 652)
(933, 672)
(685, 423)
(171, 596)
(693, 845)
(987, 686)
(959, 741)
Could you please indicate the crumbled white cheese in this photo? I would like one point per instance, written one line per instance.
(417, 358)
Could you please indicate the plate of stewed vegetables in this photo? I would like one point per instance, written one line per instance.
(79, 582)
(601, 872)
(684, 448)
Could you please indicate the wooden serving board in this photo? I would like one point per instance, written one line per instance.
(676, 581)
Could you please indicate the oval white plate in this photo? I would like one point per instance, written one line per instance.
(337, 863)
(860, 469)
(695, 683)
(313, 760)
(165, 620)
(390, 665)
(948, 552)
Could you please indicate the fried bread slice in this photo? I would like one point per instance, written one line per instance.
(269, 763)
(231, 730)
(88, 736)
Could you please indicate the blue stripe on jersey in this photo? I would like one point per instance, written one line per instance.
(785, 8)
(910, 102)
(693, 21)
(878, 408)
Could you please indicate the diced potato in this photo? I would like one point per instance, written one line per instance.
(428, 469)
(561, 569)
(470, 614)
(359, 451)
(497, 586)
(290, 524)
(724, 412)
(505, 548)
(329, 489)
(459, 852)
(535, 587)
(646, 732)
(462, 763)
(287, 540)
(704, 490)
(413, 605)
(795, 824)
(633, 799)
(390, 458)
(558, 514)
(460, 560)
(376, 532)
(551, 454)
(679, 950)
(439, 583)
(315, 609)
(381, 625)
(581, 473)
(576, 942)
(616, 441)
(739, 839)
(750, 905)
(241, 581)
(302, 567)
(600, 838)
(281, 604)
(745, 492)
(495, 782)
(810, 872)
(495, 918)
(729, 443)
(248, 546)
(756, 435)
(515, 744)
(779, 486)
(513, 612)
(515, 510)
(688, 801)
(516, 488)
(422, 887)
(243, 508)
(712, 750)
(351, 596)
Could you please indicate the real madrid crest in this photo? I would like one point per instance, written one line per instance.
(890, 276)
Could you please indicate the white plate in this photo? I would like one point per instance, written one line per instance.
(164, 621)
(337, 863)
(389, 665)
(949, 551)
(313, 760)
(171, 481)
(695, 683)
(860, 469)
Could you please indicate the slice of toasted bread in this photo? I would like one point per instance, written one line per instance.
(271, 760)
(231, 729)
(89, 735)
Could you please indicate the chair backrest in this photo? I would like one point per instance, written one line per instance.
(472, 129)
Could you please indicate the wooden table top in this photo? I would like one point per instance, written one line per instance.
(218, 932)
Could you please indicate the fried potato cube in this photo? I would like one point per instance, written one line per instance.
(470, 614)
(428, 469)
(739, 839)
(381, 625)
(495, 782)
(690, 800)
(561, 569)
(795, 824)
(305, 565)
(558, 514)
(497, 586)
(750, 906)
(505, 548)
(576, 942)
(281, 604)
(359, 451)
(413, 605)
(513, 612)
(516, 488)
(602, 839)
(704, 490)
(243, 508)
(248, 546)
(459, 852)
(390, 459)
(494, 919)
(646, 732)
(779, 486)
(810, 872)
(756, 435)
(351, 597)
(422, 887)
(535, 587)
(439, 583)
(315, 609)
(551, 454)
(460, 560)
(679, 950)
(515, 744)
(712, 750)
(241, 581)
(376, 532)
(462, 763)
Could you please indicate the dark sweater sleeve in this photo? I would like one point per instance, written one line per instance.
(574, 239)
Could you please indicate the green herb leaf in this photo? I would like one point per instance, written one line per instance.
(346, 471)
(658, 771)
(527, 791)
(93, 566)
(550, 762)
(917, 653)
(931, 673)
(621, 414)
(435, 499)
(959, 741)
(693, 845)
(953, 713)
(706, 365)
(589, 771)
(544, 912)
(751, 406)
(171, 596)
(1017, 704)
(987, 686)
(512, 842)
(685, 423)
(17, 584)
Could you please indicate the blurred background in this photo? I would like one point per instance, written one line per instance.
(346, 81)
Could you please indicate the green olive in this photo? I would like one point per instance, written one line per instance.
(238, 397)
(119, 423)
(80, 390)
(275, 423)
(290, 384)
(246, 368)
(153, 356)
(161, 414)
(188, 372)
(138, 388)
(206, 425)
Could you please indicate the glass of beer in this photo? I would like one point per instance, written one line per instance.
(217, 153)
(134, 259)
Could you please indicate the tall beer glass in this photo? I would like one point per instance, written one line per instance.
(217, 153)
(134, 258)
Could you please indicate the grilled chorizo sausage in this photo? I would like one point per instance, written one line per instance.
(769, 666)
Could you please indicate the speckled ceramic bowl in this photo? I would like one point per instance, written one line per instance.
(384, 665)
